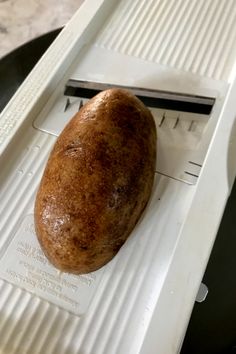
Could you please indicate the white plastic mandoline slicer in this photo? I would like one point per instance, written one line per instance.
(179, 57)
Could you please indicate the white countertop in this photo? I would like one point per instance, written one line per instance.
(22, 20)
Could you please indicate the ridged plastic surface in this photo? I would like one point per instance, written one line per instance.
(27, 323)
(18, 190)
(30, 325)
(197, 36)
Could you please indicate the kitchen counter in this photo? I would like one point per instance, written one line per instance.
(23, 20)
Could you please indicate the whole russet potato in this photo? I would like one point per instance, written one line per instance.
(97, 182)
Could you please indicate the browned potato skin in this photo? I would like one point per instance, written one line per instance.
(97, 182)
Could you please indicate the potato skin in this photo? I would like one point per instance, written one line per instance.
(97, 182)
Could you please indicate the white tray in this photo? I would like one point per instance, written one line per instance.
(142, 300)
